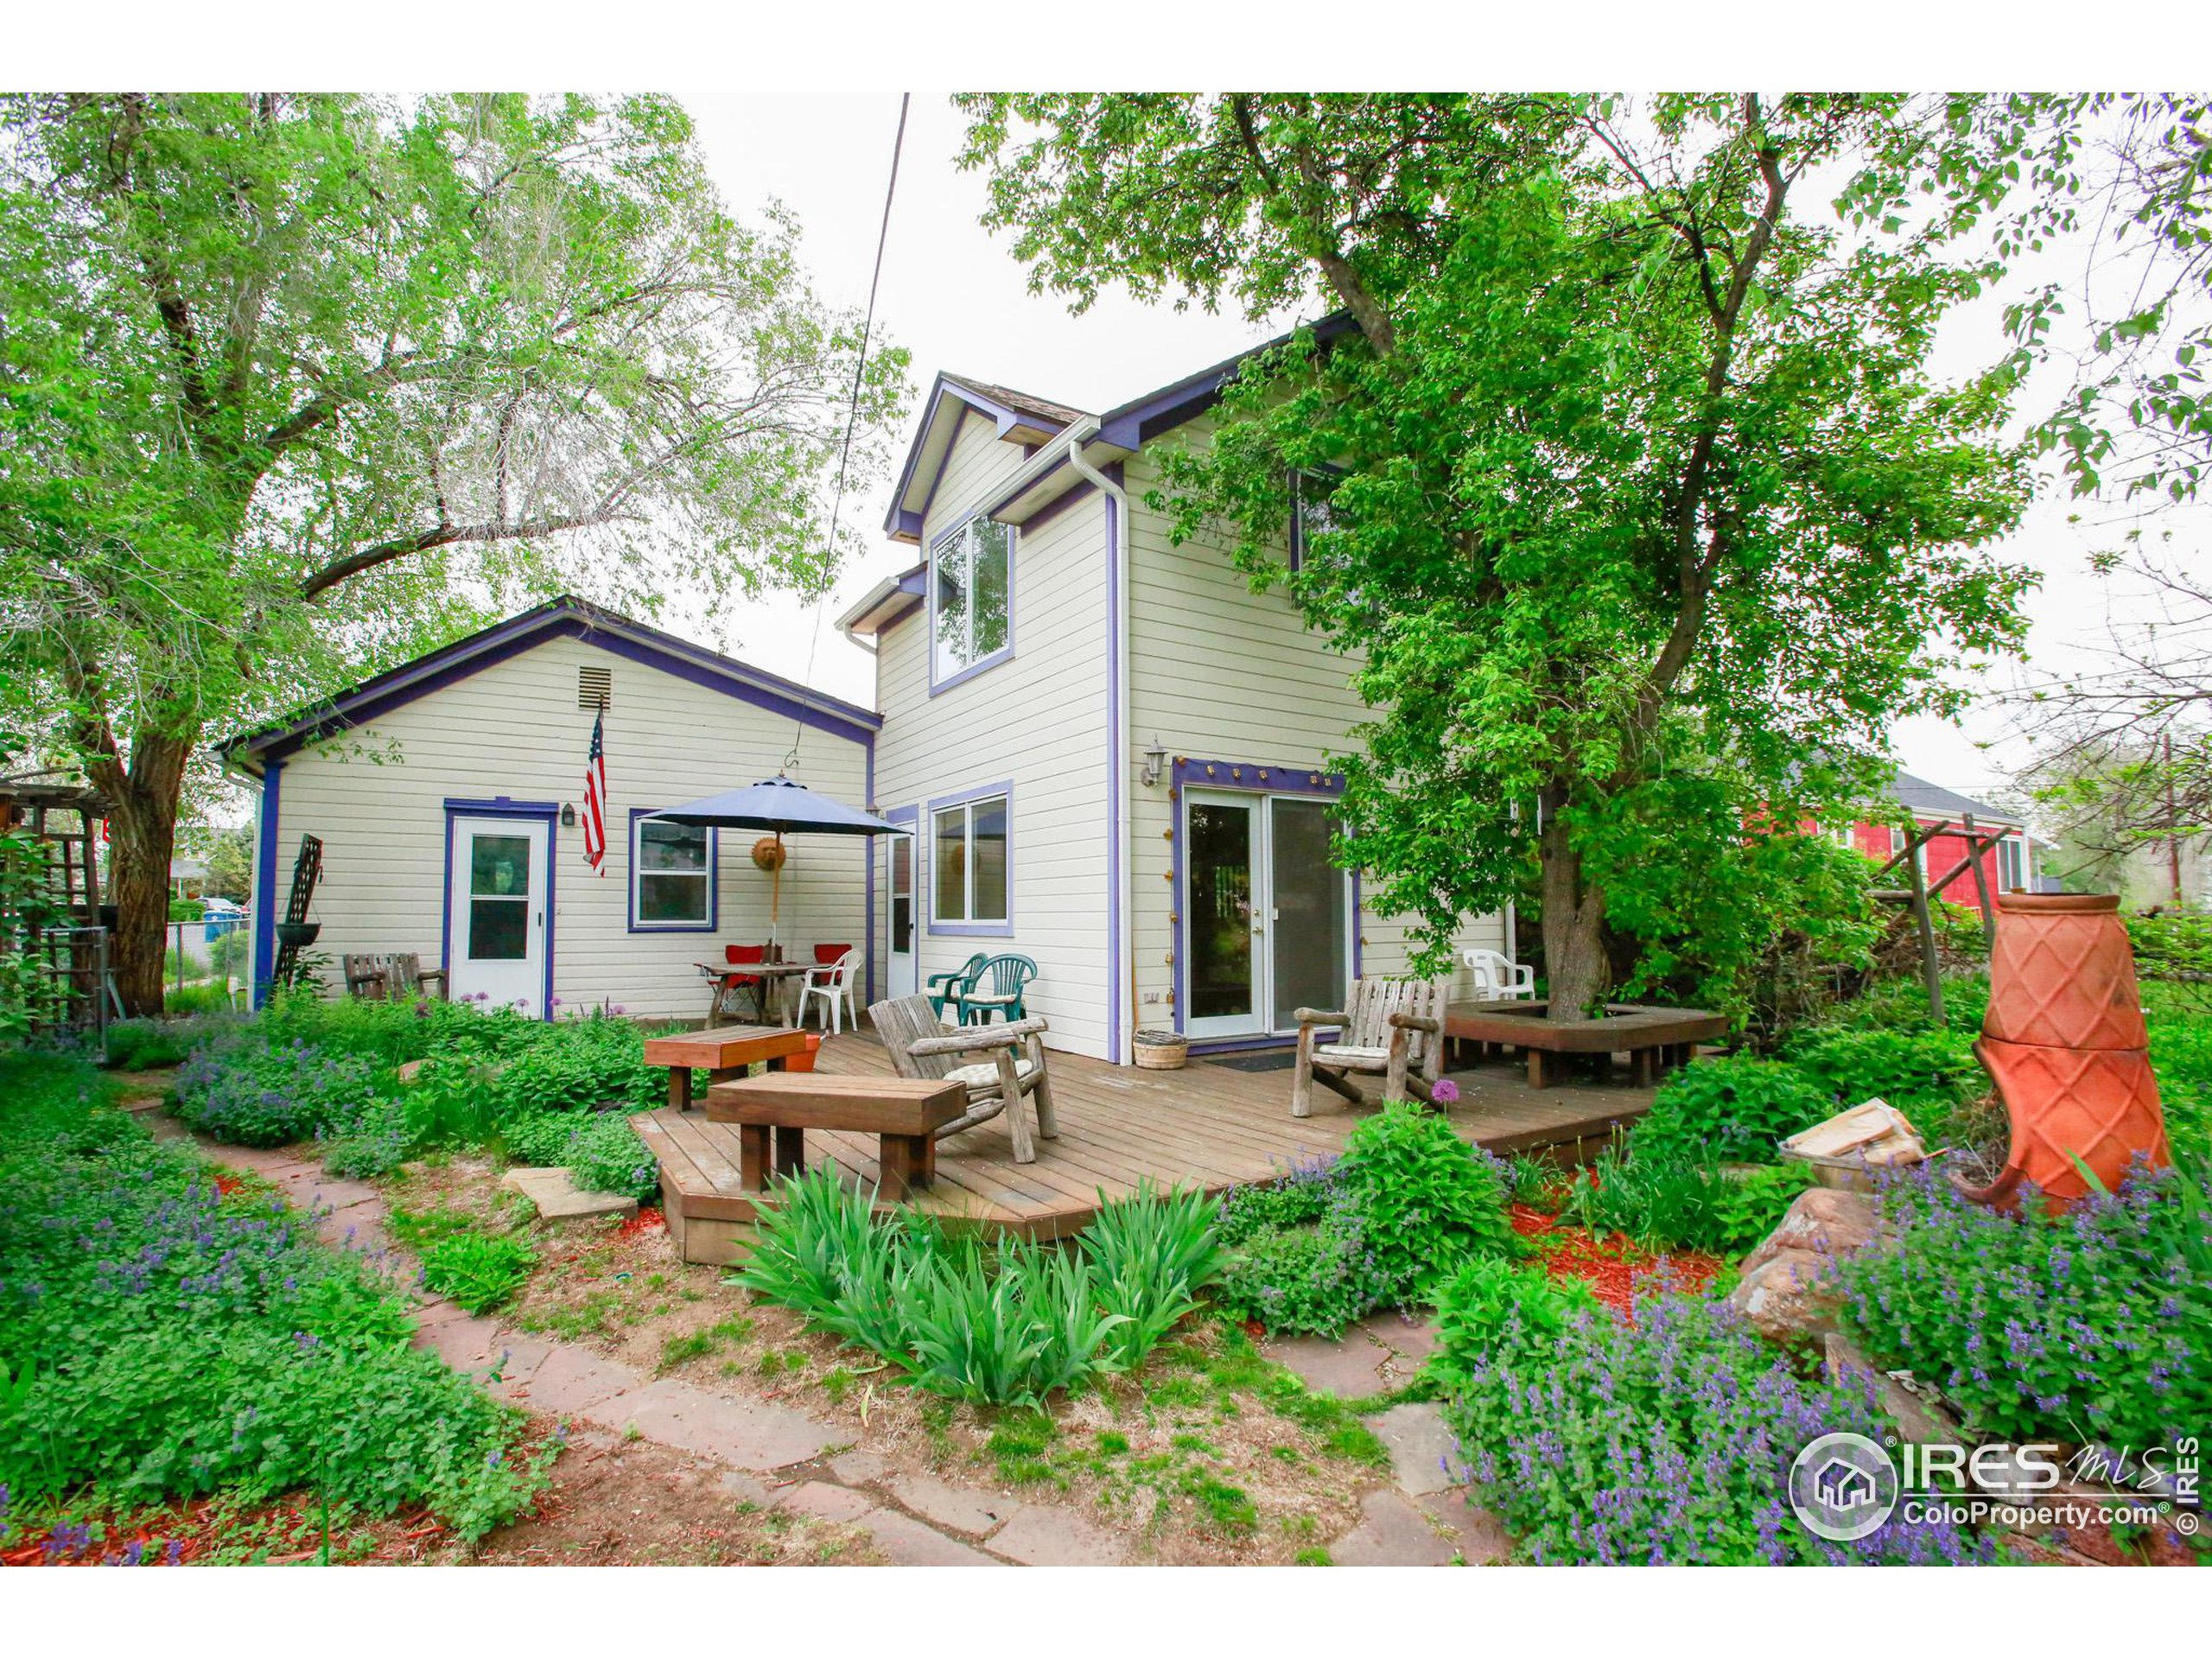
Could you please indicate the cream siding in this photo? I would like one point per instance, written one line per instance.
(514, 729)
(1038, 720)
(1219, 672)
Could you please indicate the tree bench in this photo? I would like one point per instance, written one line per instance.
(903, 1114)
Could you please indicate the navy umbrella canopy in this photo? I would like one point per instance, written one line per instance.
(784, 807)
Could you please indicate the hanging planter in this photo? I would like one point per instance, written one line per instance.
(2065, 1040)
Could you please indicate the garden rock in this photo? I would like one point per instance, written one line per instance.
(1783, 1292)
(1917, 1420)
(558, 1198)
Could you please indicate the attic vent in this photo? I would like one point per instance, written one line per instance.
(594, 687)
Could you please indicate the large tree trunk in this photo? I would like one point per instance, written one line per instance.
(144, 838)
(1574, 920)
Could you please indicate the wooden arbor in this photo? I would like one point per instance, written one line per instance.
(50, 908)
(1915, 895)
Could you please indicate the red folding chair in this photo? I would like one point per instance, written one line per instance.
(725, 988)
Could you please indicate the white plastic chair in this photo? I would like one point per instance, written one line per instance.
(834, 985)
(237, 989)
(1499, 979)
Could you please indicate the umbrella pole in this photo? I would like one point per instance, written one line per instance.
(776, 892)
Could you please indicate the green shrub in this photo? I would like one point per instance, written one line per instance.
(145, 1045)
(1907, 1067)
(366, 1139)
(1003, 1326)
(1477, 1306)
(1664, 1442)
(1427, 1199)
(2094, 1326)
(478, 1270)
(604, 1155)
(162, 1341)
(1731, 1110)
(1302, 1197)
(1313, 1280)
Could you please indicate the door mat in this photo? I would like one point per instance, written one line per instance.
(1277, 1059)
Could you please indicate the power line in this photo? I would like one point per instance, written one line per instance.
(852, 414)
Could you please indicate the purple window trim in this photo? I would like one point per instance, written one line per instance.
(968, 930)
(264, 883)
(714, 883)
(1117, 782)
(1253, 779)
(500, 806)
(982, 665)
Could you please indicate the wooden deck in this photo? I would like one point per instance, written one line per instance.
(1207, 1125)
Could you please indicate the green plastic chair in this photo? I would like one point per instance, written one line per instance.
(998, 986)
(944, 987)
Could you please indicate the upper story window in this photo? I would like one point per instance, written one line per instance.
(971, 598)
(671, 875)
(1311, 514)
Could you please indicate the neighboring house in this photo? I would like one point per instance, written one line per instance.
(187, 878)
(1111, 749)
(2007, 868)
(446, 795)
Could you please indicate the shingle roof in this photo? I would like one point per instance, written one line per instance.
(1043, 408)
(1933, 800)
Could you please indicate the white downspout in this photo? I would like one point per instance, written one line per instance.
(1123, 1045)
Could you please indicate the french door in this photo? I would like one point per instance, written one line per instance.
(1267, 916)
(497, 891)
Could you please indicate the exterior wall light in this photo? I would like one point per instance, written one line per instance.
(1155, 761)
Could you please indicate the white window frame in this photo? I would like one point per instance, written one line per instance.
(2016, 848)
(961, 544)
(968, 923)
(707, 920)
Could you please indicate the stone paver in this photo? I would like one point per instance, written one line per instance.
(1413, 1342)
(1480, 1536)
(824, 1501)
(963, 1509)
(1041, 1536)
(464, 1344)
(1419, 1445)
(572, 1379)
(741, 1487)
(1393, 1531)
(747, 1434)
(558, 1198)
(859, 1468)
(907, 1542)
(1350, 1370)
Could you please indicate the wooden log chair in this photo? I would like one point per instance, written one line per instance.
(921, 1046)
(392, 976)
(1394, 1026)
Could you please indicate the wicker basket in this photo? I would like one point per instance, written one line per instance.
(1162, 1051)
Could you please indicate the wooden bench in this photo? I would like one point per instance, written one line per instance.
(903, 1114)
(1653, 1038)
(724, 1052)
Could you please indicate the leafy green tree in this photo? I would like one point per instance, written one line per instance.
(1633, 461)
(296, 385)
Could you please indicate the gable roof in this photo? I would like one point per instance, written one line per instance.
(566, 616)
(1041, 410)
(1929, 800)
(1018, 416)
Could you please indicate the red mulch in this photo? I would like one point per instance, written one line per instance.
(181, 1535)
(647, 1220)
(226, 1185)
(1617, 1271)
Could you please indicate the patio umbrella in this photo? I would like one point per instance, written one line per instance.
(784, 807)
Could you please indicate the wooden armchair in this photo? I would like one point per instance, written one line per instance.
(921, 1046)
(1395, 1026)
(392, 976)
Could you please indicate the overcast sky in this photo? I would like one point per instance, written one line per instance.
(954, 295)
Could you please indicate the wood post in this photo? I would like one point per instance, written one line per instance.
(1975, 850)
(1931, 972)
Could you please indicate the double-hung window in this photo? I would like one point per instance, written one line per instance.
(971, 594)
(2011, 864)
(969, 863)
(1311, 513)
(671, 875)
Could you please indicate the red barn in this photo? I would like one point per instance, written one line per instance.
(2007, 867)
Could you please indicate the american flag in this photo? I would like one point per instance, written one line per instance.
(595, 799)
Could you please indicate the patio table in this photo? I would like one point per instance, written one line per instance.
(722, 1051)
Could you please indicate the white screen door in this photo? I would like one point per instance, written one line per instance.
(497, 890)
(903, 979)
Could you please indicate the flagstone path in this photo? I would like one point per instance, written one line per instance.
(775, 1456)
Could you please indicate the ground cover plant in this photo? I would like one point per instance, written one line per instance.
(2095, 1325)
(1666, 1442)
(1664, 1200)
(1003, 1324)
(164, 1338)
